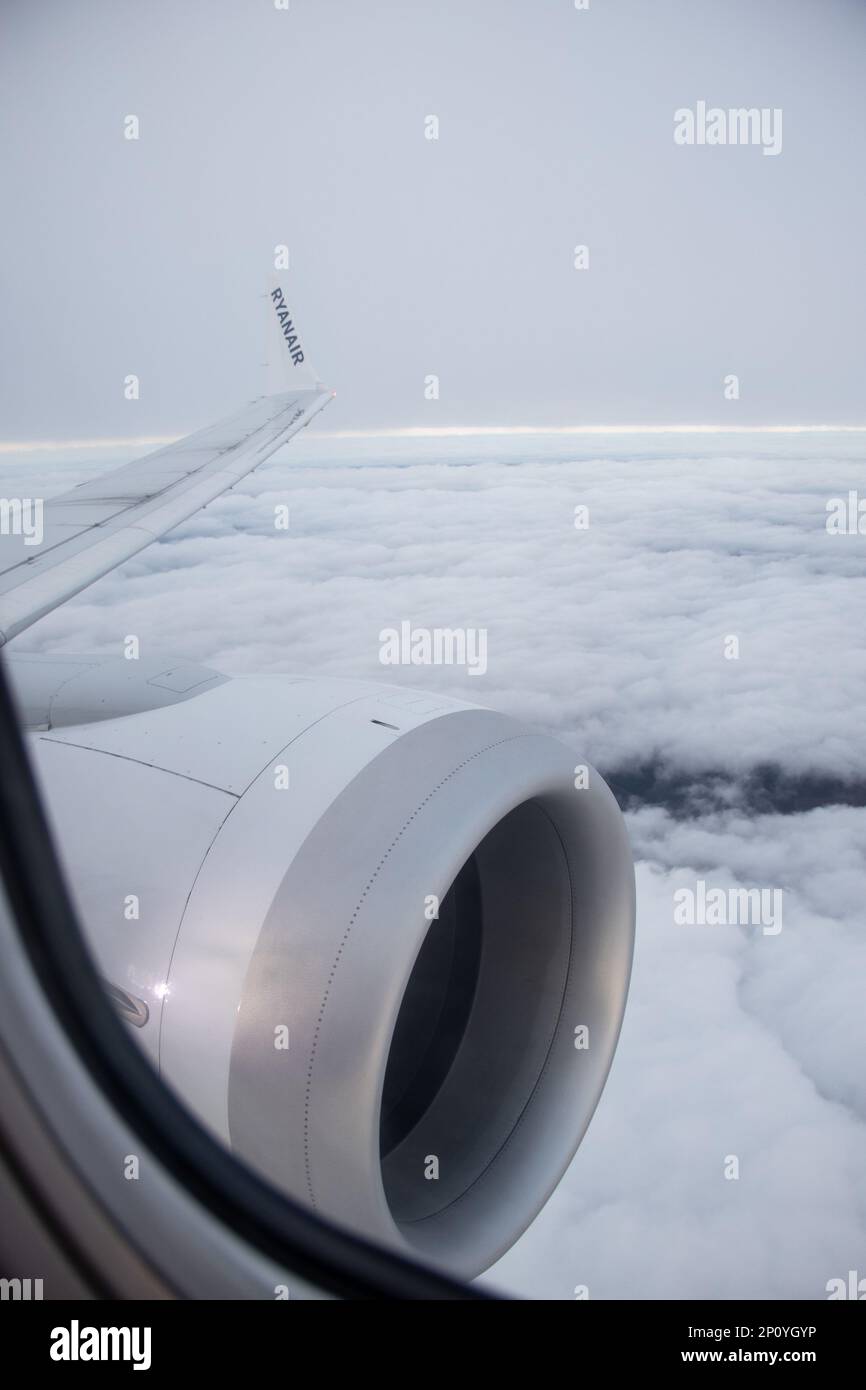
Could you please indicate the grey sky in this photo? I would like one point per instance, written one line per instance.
(412, 256)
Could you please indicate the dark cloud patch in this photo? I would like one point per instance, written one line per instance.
(763, 790)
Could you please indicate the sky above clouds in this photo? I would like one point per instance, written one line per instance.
(412, 257)
(735, 1042)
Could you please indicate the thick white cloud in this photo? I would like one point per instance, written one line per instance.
(612, 636)
(735, 1043)
(738, 1044)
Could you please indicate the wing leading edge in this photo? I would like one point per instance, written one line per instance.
(88, 531)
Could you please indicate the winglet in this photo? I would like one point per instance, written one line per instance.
(289, 367)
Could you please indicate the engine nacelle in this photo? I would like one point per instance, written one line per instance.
(380, 941)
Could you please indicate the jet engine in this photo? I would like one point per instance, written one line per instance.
(379, 941)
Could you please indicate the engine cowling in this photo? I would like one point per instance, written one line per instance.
(381, 940)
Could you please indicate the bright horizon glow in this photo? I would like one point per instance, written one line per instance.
(24, 446)
(448, 431)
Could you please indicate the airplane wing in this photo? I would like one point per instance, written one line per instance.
(86, 532)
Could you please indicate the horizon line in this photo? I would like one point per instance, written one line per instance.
(442, 432)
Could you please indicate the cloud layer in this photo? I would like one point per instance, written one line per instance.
(613, 637)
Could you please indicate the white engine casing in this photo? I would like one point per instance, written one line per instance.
(305, 910)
